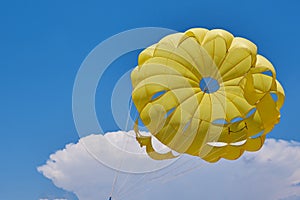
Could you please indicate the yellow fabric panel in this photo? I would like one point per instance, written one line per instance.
(227, 105)
(254, 124)
(198, 33)
(240, 103)
(262, 64)
(146, 54)
(254, 144)
(280, 94)
(199, 139)
(164, 66)
(218, 33)
(201, 58)
(209, 123)
(185, 137)
(216, 43)
(205, 108)
(146, 141)
(268, 112)
(262, 82)
(250, 94)
(241, 52)
(231, 133)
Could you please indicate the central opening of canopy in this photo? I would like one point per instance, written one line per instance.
(209, 85)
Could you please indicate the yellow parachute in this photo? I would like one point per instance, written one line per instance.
(205, 93)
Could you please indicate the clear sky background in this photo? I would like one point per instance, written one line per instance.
(43, 43)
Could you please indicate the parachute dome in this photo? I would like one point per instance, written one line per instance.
(205, 93)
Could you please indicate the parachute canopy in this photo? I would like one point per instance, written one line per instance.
(205, 93)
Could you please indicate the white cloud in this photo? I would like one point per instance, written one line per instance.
(272, 173)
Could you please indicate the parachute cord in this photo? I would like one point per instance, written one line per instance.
(119, 191)
(137, 184)
(117, 173)
(134, 186)
(182, 173)
(114, 183)
(161, 176)
(150, 177)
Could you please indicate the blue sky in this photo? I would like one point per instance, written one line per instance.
(43, 44)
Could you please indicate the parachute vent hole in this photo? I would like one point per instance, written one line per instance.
(169, 112)
(251, 112)
(220, 122)
(209, 85)
(158, 94)
(274, 96)
(268, 73)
